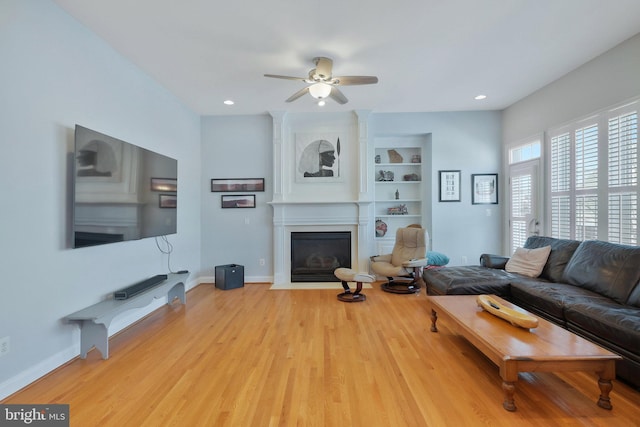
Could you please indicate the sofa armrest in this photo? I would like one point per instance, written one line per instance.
(493, 261)
(421, 262)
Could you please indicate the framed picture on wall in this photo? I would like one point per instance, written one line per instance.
(449, 186)
(238, 201)
(484, 189)
(318, 157)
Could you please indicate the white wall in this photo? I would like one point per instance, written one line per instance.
(54, 74)
(611, 78)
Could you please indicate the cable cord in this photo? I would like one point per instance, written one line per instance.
(167, 251)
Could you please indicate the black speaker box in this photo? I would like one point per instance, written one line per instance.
(229, 276)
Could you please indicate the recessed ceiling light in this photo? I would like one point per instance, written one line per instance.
(229, 102)
(321, 103)
(479, 97)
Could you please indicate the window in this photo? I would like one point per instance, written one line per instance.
(523, 195)
(524, 152)
(593, 186)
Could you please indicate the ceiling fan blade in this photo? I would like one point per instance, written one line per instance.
(276, 76)
(355, 80)
(298, 94)
(338, 96)
(323, 67)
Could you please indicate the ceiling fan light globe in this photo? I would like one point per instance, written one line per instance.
(320, 90)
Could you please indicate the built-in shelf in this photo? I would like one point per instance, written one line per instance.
(399, 177)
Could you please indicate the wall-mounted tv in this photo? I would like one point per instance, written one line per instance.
(120, 191)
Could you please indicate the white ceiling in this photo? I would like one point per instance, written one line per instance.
(429, 55)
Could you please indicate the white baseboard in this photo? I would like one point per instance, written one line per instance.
(32, 374)
(247, 279)
(26, 377)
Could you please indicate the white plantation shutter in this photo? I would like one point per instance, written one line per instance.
(521, 191)
(623, 178)
(561, 163)
(561, 186)
(593, 186)
(586, 182)
(561, 217)
(623, 150)
(623, 218)
(586, 149)
(586, 209)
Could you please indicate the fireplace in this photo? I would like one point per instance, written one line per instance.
(316, 254)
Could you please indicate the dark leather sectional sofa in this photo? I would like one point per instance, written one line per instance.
(589, 287)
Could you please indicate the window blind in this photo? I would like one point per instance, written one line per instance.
(593, 186)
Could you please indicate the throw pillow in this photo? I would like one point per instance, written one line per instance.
(437, 258)
(528, 262)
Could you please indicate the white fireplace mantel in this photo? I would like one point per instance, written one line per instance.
(318, 216)
(311, 208)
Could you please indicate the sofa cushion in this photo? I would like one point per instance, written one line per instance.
(607, 268)
(561, 252)
(548, 298)
(528, 262)
(608, 321)
(468, 280)
(634, 297)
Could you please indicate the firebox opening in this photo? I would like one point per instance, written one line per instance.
(316, 254)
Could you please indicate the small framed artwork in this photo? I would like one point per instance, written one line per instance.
(225, 185)
(164, 184)
(484, 189)
(238, 201)
(168, 200)
(449, 186)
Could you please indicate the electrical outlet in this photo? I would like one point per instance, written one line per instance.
(262, 261)
(5, 346)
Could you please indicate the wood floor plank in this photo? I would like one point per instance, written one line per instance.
(258, 357)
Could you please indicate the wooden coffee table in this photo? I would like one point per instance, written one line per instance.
(547, 348)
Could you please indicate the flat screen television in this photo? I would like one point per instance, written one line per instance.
(120, 191)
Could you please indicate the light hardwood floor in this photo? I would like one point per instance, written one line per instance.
(258, 357)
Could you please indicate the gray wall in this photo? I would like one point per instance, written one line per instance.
(611, 78)
(54, 74)
(237, 147)
(241, 146)
(465, 141)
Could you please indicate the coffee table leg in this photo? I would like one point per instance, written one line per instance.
(605, 388)
(604, 382)
(434, 319)
(509, 389)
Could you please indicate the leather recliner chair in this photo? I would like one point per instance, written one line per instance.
(403, 266)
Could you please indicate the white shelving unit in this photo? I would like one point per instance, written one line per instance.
(399, 187)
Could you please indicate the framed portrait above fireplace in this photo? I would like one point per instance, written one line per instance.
(318, 157)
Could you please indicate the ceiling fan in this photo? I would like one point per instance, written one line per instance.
(323, 84)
